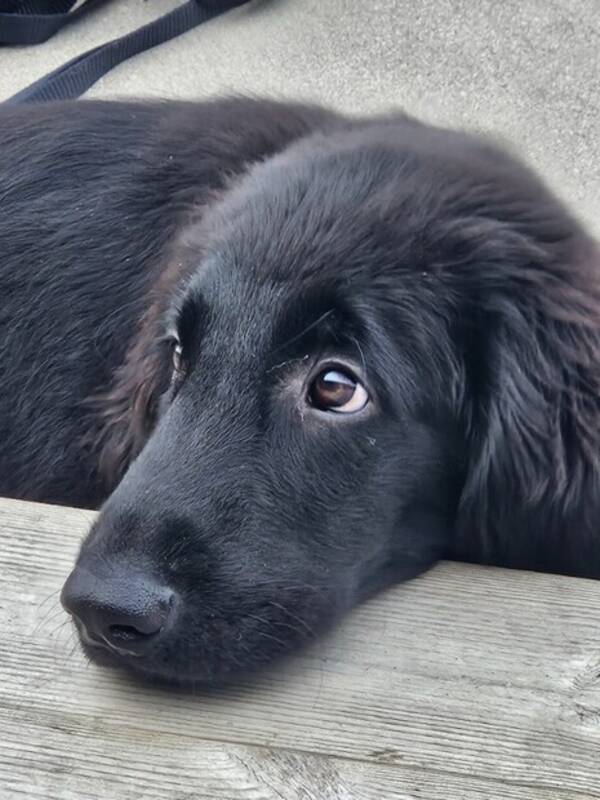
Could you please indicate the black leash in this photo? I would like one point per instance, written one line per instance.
(34, 21)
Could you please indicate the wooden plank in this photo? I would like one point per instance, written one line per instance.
(90, 763)
(467, 683)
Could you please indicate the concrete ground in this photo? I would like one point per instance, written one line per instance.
(527, 70)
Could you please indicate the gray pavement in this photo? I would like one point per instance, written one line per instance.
(526, 70)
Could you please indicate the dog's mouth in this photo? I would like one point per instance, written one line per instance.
(141, 665)
(214, 658)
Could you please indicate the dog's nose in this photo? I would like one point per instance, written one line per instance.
(126, 612)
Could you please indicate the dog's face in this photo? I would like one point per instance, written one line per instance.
(308, 444)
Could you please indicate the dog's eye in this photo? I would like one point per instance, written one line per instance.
(337, 390)
(177, 356)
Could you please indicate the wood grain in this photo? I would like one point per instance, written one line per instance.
(467, 683)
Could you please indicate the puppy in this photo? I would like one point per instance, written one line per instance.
(295, 357)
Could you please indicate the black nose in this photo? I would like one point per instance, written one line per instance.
(123, 610)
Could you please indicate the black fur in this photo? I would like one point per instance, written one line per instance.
(270, 237)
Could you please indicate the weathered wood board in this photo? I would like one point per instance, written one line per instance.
(467, 684)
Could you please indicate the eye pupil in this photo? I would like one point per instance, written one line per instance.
(337, 390)
(333, 389)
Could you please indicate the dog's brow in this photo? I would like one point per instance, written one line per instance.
(308, 328)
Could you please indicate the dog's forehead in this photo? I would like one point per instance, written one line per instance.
(335, 217)
(291, 229)
(305, 223)
(242, 321)
(300, 238)
(331, 208)
(223, 302)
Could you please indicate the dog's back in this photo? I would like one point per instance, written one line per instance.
(92, 195)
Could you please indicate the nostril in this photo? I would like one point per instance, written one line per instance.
(128, 633)
(138, 625)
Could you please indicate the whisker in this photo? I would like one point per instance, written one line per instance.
(48, 619)
(264, 635)
(362, 355)
(306, 330)
(58, 628)
(293, 616)
(52, 594)
(73, 651)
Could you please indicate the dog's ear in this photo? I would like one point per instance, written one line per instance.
(127, 412)
(532, 417)
(124, 416)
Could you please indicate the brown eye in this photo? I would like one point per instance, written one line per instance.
(339, 391)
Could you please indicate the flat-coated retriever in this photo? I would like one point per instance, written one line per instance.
(296, 356)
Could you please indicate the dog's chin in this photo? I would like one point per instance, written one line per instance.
(154, 670)
(173, 663)
(166, 665)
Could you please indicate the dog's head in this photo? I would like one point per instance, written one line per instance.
(375, 350)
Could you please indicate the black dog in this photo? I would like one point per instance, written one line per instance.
(320, 352)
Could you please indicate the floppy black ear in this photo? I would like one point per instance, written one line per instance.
(532, 488)
(127, 412)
